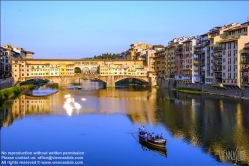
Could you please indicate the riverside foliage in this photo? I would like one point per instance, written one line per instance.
(13, 92)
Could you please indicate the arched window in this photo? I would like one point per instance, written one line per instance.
(85, 70)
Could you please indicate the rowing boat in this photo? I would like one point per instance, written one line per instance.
(154, 142)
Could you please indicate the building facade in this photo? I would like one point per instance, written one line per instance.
(8, 53)
(135, 48)
(225, 53)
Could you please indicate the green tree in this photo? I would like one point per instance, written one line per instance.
(77, 70)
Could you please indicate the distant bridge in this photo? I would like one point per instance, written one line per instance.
(62, 71)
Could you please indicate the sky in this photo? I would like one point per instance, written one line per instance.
(80, 29)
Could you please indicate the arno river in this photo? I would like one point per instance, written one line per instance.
(200, 129)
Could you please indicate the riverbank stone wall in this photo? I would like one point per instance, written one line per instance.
(232, 92)
(6, 83)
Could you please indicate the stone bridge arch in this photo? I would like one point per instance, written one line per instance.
(85, 70)
(90, 76)
(142, 79)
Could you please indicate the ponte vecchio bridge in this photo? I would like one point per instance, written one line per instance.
(62, 71)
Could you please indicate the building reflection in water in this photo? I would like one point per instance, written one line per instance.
(212, 123)
(25, 105)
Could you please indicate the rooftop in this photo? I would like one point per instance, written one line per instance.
(103, 60)
(235, 28)
(205, 34)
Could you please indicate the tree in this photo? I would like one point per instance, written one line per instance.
(77, 70)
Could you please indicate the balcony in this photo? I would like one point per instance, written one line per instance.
(229, 81)
(178, 52)
(218, 49)
(187, 52)
(196, 64)
(187, 69)
(178, 49)
(198, 45)
(245, 54)
(217, 62)
(245, 61)
(218, 56)
(217, 69)
(245, 76)
(207, 44)
(197, 51)
(218, 75)
(204, 39)
(244, 69)
(246, 46)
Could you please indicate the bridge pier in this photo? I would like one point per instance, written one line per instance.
(63, 82)
(152, 81)
(110, 82)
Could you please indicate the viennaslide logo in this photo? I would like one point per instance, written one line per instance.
(233, 155)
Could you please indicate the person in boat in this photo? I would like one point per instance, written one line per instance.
(145, 135)
(141, 132)
(143, 129)
(152, 136)
(149, 137)
(161, 136)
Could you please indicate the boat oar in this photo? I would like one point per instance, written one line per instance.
(133, 135)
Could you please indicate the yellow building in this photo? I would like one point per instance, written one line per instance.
(62, 69)
(160, 63)
(135, 48)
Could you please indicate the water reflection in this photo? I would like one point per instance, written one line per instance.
(87, 84)
(211, 123)
(157, 151)
(70, 105)
(215, 124)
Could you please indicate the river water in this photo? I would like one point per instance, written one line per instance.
(200, 129)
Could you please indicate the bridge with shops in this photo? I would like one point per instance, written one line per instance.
(62, 71)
